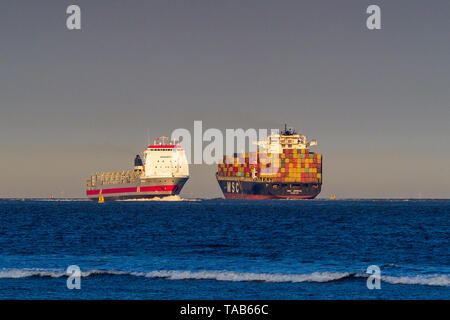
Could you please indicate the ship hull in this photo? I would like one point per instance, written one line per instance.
(241, 189)
(141, 189)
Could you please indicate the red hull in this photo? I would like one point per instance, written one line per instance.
(124, 192)
(133, 190)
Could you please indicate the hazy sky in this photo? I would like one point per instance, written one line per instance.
(76, 102)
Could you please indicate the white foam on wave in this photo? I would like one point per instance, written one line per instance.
(185, 275)
(25, 273)
(232, 276)
(432, 280)
(52, 273)
(246, 276)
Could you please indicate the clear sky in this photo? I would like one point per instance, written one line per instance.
(76, 102)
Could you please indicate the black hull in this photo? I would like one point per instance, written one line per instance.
(242, 189)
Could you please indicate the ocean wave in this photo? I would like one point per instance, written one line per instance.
(25, 273)
(186, 275)
(248, 277)
(51, 273)
(432, 280)
(233, 276)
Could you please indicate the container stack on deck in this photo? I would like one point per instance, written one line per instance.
(292, 165)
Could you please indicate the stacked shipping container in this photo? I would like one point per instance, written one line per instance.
(292, 165)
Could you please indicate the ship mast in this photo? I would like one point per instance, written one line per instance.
(161, 141)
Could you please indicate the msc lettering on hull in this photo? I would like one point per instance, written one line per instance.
(233, 187)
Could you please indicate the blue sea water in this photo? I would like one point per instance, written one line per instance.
(219, 249)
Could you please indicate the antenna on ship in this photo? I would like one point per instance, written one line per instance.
(164, 139)
(288, 131)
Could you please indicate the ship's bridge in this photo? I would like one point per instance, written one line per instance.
(286, 139)
(165, 160)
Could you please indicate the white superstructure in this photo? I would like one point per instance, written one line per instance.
(287, 139)
(165, 160)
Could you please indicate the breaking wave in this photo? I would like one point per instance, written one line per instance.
(435, 280)
(232, 276)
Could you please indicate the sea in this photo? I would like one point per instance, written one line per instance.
(225, 249)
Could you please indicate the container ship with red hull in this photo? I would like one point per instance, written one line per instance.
(282, 168)
(161, 172)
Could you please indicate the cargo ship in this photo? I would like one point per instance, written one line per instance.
(282, 168)
(162, 171)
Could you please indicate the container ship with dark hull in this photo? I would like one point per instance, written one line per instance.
(282, 168)
(162, 172)
(233, 189)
